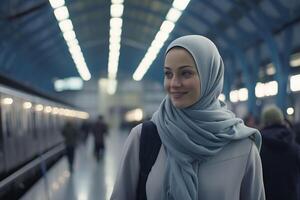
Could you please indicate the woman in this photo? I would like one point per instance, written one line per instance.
(206, 152)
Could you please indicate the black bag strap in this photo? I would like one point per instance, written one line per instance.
(149, 147)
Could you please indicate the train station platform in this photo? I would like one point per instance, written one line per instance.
(90, 179)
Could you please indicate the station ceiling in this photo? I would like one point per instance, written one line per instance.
(34, 51)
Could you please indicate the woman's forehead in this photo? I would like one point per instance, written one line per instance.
(179, 56)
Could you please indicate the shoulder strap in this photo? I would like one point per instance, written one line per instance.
(149, 147)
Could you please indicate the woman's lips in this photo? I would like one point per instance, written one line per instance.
(177, 95)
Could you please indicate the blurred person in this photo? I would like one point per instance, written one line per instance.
(297, 132)
(69, 133)
(205, 151)
(100, 129)
(280, 157)
(85, 129)
(251, 121)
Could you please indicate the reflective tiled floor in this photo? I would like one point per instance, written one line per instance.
(90, 180)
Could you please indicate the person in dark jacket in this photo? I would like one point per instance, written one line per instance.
(69, 133)
(99, 130)
(280, 157)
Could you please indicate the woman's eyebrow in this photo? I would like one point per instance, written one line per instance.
(181, 67)
(185, 66)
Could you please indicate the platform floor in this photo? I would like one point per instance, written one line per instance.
(90, 180)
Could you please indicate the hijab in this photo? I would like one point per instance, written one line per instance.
(200, 131)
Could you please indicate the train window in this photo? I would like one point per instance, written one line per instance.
(7, 128)
(29, 117)
(34, 124)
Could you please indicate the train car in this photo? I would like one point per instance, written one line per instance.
(30, 124)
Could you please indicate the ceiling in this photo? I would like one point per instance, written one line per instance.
(33, 50)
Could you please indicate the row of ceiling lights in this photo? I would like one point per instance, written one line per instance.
(262, 90)
(161, 37)
(115, 32)
(65, 24)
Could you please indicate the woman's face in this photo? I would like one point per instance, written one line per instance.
(181, 80)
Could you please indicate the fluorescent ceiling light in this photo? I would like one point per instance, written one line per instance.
(167, 26)
(114, 55)
(116, 10)
(153, 50)
(259, 90)
(134, 115)
(112, 86)
(173, 15)
(295, 60)
(157, 44)
(161, 36)
(114, 47)
(115, 32)
(77, 55)
(295, 83)
(69, 35)
(61, 13)
(243, 94)
(115, 39)
(295, 63)
(115, 22)
(266, 89)
(180, 4)
(74, 49)
(117, 1)
(234, 96)
(271, 88)
(65, 25)
(112, 76)
(270, 69)
(84, 73)
(71, 43)
(56, 3)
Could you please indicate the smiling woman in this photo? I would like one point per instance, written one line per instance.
(200, 149)
(181, 80)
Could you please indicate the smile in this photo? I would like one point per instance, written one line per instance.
(178, 95)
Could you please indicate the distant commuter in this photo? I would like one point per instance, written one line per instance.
(297, 132)
(280, 157)
(100, 129)
(85, 129)
(69, 133)
(204, 152)
(251, 121)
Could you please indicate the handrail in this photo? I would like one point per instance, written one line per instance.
(30, 166)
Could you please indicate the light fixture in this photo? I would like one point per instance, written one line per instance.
(65, 25)
(161, 37)
(56, 3)
(61, 13)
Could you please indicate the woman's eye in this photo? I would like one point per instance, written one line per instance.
(187, 74)
(168, 74)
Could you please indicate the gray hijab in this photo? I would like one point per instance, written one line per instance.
(196, 133)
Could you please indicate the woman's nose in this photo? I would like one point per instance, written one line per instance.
(175, 82)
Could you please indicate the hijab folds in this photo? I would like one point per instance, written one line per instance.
(196, 133)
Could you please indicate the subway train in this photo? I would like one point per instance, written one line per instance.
(30, 125)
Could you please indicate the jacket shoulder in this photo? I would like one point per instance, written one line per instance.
(235, 149)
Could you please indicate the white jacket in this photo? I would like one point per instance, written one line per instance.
(235, 173)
